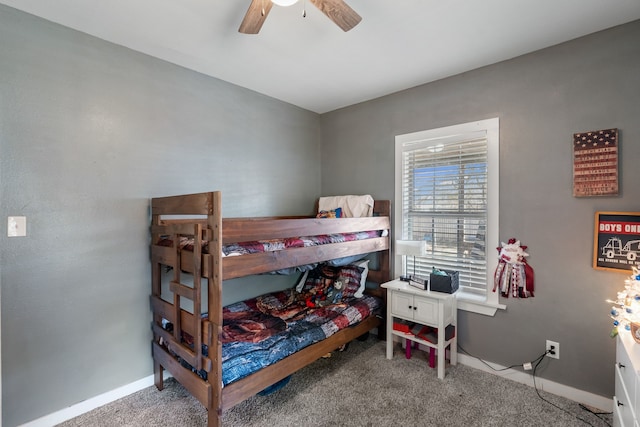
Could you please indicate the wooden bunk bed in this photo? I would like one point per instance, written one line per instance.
(207, 268)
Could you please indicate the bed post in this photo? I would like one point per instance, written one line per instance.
(383, 208)
(214, 220)
(156, 290)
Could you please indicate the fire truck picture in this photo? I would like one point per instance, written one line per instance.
(614, 248)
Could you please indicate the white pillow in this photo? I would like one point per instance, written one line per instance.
(363, 277)
(302, 281)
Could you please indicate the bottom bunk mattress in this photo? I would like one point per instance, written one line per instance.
(263, 330)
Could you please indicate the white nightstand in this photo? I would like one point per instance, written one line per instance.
(435, 309)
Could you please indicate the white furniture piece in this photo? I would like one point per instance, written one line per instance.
(627, 397)
(435, 309)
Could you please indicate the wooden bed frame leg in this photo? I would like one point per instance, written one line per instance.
(382, 331)
(158, 375)
(214, 419)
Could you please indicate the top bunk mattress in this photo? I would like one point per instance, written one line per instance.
(274, 245)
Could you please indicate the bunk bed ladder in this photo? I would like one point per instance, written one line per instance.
(179, 290)
(205, 269)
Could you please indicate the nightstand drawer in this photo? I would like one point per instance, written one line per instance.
(426, 310)
(402, 305)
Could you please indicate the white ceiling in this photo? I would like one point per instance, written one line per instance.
(311, 63)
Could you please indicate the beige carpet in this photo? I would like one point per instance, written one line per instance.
(360, 387)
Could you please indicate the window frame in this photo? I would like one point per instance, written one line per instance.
(486, 302)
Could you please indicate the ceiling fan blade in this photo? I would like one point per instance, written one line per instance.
(255, 16)
(339, 12)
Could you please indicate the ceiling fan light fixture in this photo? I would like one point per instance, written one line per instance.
(284, 2)
(336, 10)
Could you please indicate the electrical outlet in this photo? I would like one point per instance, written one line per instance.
(553, 349)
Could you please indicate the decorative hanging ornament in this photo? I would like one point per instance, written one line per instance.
(513, 275)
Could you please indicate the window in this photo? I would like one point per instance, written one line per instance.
(447, 195)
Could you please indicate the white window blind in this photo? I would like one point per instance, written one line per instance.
(447, 194)
(444, 202)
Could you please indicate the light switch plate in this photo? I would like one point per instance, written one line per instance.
(17, 226)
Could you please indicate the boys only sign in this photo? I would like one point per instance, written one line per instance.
(616, 243)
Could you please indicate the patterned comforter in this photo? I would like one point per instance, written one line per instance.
(258, 246)
(285, 326)
(263, 330)
(245, 248)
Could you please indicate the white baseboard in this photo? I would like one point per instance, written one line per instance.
(580, 396)
(593, 400)
(92, 403)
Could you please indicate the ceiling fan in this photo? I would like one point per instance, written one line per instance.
(336, 10)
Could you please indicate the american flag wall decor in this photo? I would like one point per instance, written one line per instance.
(595, 163)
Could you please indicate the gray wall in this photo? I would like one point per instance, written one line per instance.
(89, 131)
(541, 99)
